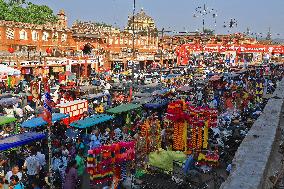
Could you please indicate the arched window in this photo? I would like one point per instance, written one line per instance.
(45, 36)
(55, 36)
(63, 37)
(10, 33)
(23, 35)
(35, 35)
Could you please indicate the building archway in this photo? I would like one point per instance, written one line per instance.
(87, 48)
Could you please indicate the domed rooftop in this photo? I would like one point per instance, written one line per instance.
(142, 16)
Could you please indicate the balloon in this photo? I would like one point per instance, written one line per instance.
(11, 50)
(48, 50)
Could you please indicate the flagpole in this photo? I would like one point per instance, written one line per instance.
(48, 119)
(133, 50)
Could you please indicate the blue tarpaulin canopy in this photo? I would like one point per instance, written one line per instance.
(157, 103)
(170, 76)
(91, 121)
(19, 140)
(38, 122)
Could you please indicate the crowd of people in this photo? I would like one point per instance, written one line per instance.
(237, 95)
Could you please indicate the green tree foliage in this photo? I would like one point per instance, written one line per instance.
(209, 31)
(27, 12)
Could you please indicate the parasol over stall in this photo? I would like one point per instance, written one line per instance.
(39, 122)
(20, 140)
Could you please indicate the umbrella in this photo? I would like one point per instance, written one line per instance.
(184, 88)
(8, 101)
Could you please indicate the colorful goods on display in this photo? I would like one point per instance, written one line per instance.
(150, 130)
(75, 109)
(104, 161)
(176, 113)
(190, 128)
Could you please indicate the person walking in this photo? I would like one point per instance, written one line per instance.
(15, 182)
(32, 165)
(80, 165)
(14, 171)
(71, 178)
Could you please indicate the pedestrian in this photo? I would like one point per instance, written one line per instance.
(71, 176)
(15, 182)
(80, 165)
(14, 171)
(32, 165)
(35, 184)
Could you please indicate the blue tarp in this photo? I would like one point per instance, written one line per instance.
(91, 121)
(38, 122)
(156, 104)
(170, 76)
(19, 140)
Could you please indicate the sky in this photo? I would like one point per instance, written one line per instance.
(177, 15)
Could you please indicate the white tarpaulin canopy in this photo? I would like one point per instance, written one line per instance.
(6, 70)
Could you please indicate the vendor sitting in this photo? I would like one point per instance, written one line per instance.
(95, 139)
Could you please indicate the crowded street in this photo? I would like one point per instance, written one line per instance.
(95, 107)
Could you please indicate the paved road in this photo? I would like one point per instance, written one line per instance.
(86, 181)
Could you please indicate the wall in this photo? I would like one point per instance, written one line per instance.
(250, 164)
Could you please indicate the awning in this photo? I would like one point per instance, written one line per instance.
(91, 121)
(6, 120)
(38, 122)
(19, 140)
(8, 101)
(156, 104)
(123, 108)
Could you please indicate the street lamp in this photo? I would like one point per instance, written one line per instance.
(203, 12)
(232, 23)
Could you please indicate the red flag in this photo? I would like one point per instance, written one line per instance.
(130, 94)
(47, 114)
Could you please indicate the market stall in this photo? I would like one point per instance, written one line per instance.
(126, 115)
(91, 121)
(75, 109)
(7, 126)
(20, 140)
(110, 162)
(39, 122)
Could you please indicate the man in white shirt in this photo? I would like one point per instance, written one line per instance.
(41, 159)
(32, 166)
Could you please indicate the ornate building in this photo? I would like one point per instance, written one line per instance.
(25, 37)
(143, 24)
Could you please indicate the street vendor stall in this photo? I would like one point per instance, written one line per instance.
(7, 126)
(39, 122)
(5, 102)
(91, 121)
(20, 140)
(75, 109)
(126, 115)
(109, 162)
(123, 108)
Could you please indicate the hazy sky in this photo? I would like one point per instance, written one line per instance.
(177, 15)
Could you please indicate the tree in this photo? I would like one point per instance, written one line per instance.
(209, 32)
(21, 11)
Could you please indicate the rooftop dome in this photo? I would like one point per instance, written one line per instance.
(142, 16)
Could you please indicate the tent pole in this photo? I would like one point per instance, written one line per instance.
(49, 155)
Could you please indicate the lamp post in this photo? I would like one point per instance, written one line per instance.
(232, 23)
(133, 50)
(203, 12)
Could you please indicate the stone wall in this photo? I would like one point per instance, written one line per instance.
(250, 164)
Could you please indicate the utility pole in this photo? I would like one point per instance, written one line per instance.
(133, 40)
(203, 19)
(133, 50)
(204, 11)
(162, 45)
